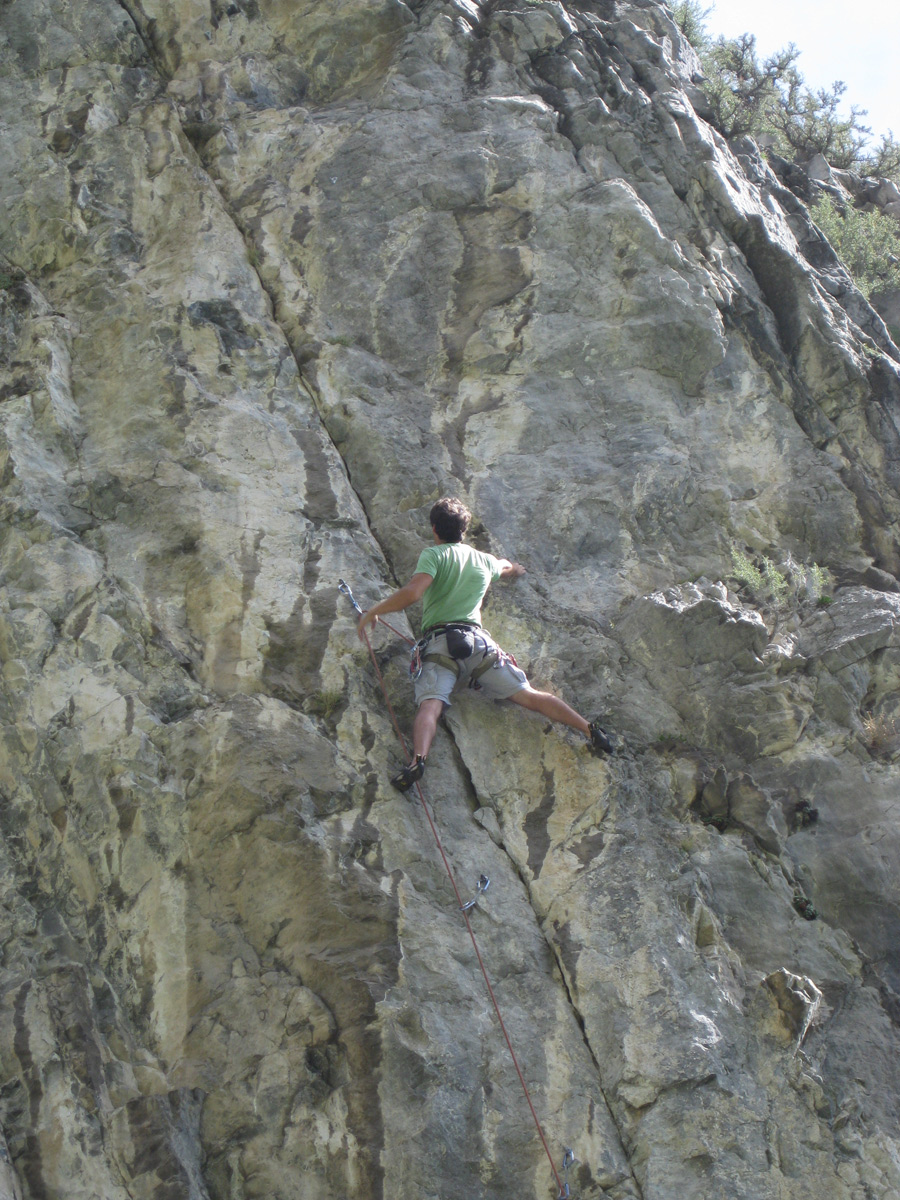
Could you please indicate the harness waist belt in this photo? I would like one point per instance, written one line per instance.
(434, 630)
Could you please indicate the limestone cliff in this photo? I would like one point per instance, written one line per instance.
(276, 275)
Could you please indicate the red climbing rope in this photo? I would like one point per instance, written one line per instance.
(563, 1188)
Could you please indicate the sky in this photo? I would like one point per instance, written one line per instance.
(857, 43)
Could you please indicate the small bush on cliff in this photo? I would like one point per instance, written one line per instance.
(808, 122)
(882, 734)
(764, 582)
(809, 582)
(788, 585)
(868, 243)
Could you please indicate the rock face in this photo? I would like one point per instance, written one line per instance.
(275, 277)
(848, 191)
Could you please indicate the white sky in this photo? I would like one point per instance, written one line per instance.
(858, 43)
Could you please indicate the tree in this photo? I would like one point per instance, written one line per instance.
(745, 93)
(809, 123)
(885, 161)
(770, 99)
(690, 17)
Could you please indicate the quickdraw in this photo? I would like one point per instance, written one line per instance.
(345, 588)
(569, 1160)
(416, 662)
(483, 884)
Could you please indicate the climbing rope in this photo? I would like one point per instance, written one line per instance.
(463, 906)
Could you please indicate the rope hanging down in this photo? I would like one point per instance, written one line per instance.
(464, 906)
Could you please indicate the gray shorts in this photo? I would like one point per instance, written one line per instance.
(498, 682)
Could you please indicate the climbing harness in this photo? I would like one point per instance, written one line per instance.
(464, 906)
(463, 641)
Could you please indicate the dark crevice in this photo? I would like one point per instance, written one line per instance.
(190, 133)
(367, 1120)
(474, 802)
(134, 16)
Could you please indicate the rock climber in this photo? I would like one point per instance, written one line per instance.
(451, 580)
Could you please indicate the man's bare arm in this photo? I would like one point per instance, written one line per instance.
(397, 601)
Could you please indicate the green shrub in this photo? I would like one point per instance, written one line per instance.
(868, 243)
(808, 582)
(765, 582)
(792, 584)
(808, 122)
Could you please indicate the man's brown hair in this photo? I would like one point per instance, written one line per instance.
(450, 519)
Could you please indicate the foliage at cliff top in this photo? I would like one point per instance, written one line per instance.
(769, 99)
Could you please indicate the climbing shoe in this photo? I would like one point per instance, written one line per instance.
(410, 774)
(601, 741)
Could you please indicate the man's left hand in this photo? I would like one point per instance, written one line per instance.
(368, 618)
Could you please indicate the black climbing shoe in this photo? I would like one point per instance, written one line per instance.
(410, 774)
(601, 741)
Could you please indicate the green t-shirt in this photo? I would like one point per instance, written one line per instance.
(461, 577)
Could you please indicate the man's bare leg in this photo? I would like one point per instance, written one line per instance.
(425, 726)
(551, 706)
(424, 729)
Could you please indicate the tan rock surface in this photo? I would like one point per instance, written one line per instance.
(272, 279)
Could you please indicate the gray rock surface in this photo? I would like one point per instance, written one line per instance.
(272, 279)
